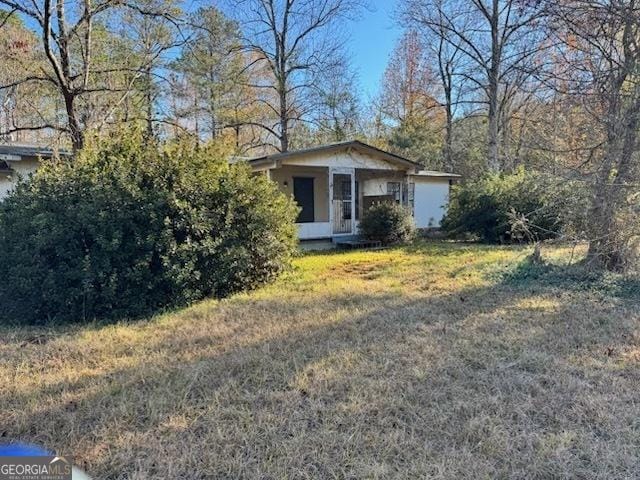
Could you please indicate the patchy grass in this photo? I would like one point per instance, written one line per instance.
(433, 361)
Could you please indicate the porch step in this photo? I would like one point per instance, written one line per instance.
(354, 244)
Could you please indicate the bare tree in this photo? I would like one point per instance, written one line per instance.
(151, 28)
(429, 23)
(337, 109)
(499, 40)
(409, 85)
(409, 95)
(600, 52)
(21, 105)
(294, 41)
(67, 33)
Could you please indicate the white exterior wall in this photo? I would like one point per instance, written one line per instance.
(21, 168)
(431, 199)
(312, 231)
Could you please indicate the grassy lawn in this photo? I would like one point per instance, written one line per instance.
(434, 361)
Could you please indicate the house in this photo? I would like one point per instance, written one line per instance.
(334, 184)
(19, 160)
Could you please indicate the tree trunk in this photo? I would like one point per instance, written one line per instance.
(492, 93)
(609, 241)
(605, 249)
(75, 130)
(149, 103)
(213, 118)
(284, 121)
(448, 133)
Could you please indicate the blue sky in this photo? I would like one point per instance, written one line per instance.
(373, 37)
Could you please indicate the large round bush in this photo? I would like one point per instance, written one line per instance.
(520, 206)
(124, 231)
(387, 222)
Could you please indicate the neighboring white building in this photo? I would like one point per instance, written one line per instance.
(19, 161)
(333, 184)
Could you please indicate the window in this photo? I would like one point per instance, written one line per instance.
(393, 189)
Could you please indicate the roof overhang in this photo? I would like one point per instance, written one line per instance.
(18, 152)
(434, 174)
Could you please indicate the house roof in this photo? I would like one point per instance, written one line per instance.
(335, 147)
(15, 151)
(433, 173)
(355, 145)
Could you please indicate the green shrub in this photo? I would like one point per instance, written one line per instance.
(523, 206)
(125, 231)
(387, 222)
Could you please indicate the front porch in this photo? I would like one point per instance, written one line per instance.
(332, 199)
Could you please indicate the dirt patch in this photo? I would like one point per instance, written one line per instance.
(365, 270)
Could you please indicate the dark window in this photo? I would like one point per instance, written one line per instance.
(303, 195)
(393, 190)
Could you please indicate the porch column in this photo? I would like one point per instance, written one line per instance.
(404, 195)
(353, 201)
(330, 199)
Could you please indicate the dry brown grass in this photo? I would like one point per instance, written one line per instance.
(396, 364)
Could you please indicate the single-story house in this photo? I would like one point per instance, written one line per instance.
(19, 160)
(334, 184)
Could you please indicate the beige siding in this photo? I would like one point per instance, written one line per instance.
(374, 184)
(285, 175)
(351, 159)
(22, 168)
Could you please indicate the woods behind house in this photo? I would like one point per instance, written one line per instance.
(473, 86)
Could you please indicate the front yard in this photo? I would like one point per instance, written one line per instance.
(434, 361)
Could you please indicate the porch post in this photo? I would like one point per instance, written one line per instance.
(330, 199)
(353, 201)
(404, 195)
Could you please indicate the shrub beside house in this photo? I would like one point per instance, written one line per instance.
(124, 231)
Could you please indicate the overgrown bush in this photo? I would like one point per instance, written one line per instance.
(523, 206)
(387, 222)
(124, 231)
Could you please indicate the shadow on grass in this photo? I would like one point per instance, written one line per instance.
(505, 381)
(576, 277)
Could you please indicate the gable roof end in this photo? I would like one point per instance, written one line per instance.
(335, 147)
